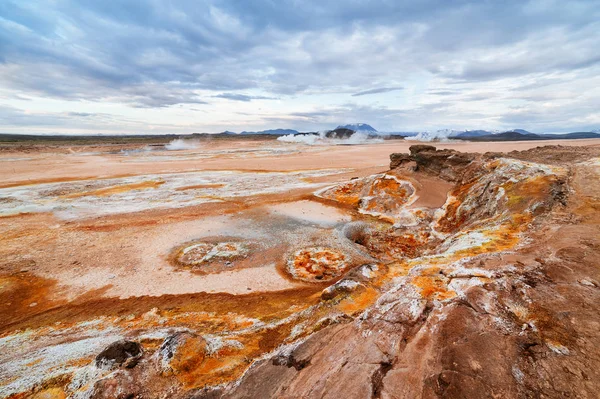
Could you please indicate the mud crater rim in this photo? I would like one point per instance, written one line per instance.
(317, 264)
(198, 255)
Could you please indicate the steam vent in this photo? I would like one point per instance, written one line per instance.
(449, 275)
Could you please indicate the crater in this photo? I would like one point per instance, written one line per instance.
(200, 255)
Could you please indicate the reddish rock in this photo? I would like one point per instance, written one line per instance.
(447, 164)
(181, 353)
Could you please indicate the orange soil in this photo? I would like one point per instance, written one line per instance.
(107, 191)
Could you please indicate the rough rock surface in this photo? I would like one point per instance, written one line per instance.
(118, 385)
(447, 164)
(120, 353)
(179, 352)
(524, 323)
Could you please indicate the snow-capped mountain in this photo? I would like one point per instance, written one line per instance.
(358, 127)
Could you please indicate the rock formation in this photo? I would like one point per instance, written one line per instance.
(520, 322)
(446, 164)
(120, 353)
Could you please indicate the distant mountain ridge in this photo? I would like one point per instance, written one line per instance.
(358, 127)
(473, 133)
(281, 132)
(517, 136)
(522, 131)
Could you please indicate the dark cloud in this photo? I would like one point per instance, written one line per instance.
(377, 91)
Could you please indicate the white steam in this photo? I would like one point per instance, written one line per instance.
(320, 139)
(439, 135)
(309, 139)
(180, 144)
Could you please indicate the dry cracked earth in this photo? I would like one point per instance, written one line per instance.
(269, 270)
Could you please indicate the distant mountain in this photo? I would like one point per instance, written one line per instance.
(280, 132)
(403, 134)
(472, 133)
(516, 136)
(522, 131)
(358, 127)
(575, 135)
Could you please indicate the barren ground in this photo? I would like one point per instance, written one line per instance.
(264, 269)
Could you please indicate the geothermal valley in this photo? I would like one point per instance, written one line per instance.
(256, 268)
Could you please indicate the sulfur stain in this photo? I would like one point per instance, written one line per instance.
(433, 285)
(200, 186)
(112, 190)
(354, 304)
(50, 393)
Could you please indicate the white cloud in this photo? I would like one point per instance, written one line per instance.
(309, 64)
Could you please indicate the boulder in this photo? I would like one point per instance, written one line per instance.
(353, 281)
(181, 352)
(398, 159)
(417, 148)
(119, 353)
(447, 164)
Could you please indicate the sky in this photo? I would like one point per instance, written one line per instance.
(157, 66)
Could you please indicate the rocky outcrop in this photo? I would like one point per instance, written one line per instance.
(399, 159)
(117, 385)
(120, 353)
(180, 352)
(447, 164)
(528, 331)
(520, 323)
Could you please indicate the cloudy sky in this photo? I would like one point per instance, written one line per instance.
(155, 66)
